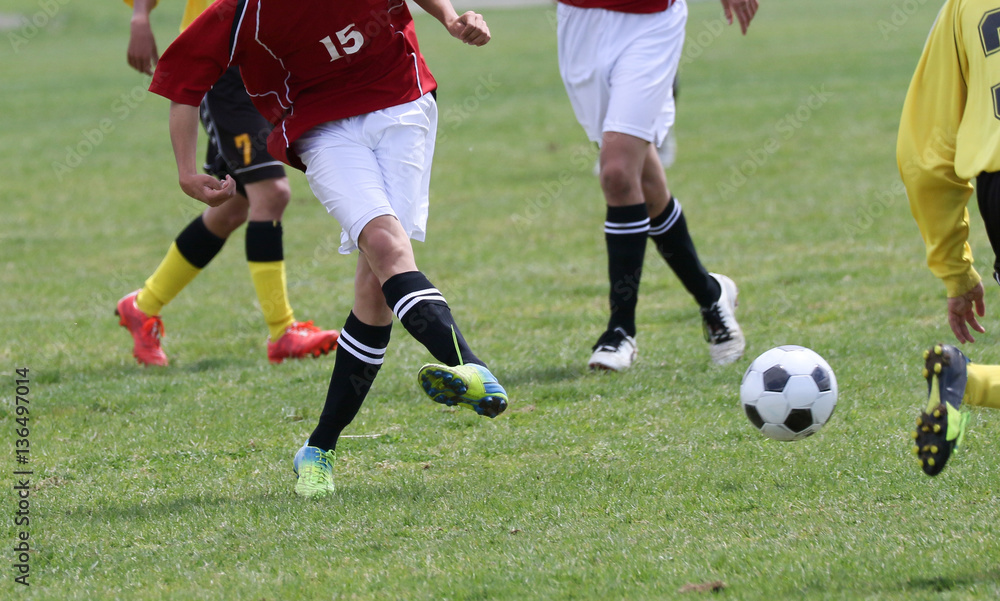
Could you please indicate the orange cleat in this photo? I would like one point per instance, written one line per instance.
(302, 339)
(146, 331)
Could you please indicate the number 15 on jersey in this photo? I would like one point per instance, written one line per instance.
(348, 41)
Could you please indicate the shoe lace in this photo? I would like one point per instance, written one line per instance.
(325, 459)
(715, 328)
(320, 467)
(610, 340)
(153, 327)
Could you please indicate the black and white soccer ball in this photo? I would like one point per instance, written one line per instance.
(788, 392)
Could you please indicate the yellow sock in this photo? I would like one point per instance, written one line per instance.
(272, 293)
(173, 274)
(983, 386)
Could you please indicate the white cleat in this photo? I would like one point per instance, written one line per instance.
(722, 331)
(614, 351)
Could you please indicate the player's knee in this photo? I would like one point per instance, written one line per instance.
(280, 193)
(386, 246)
(227, 217)
(238, 215)
(270, 196)
(617, 180)
(378, 240)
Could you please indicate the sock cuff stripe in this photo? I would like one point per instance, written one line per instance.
(411, 304)
(626, 223)
(631, 227)
(407, 302)
(670, 221)
(362, 351)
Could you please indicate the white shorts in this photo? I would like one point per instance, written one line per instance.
(619, 68)
(371, 165)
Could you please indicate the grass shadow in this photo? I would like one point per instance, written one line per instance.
(542, 375)
(952, 582)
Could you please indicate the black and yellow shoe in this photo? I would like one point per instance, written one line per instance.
(941, 426)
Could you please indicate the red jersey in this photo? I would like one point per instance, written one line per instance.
(303, 63)
(623, 6)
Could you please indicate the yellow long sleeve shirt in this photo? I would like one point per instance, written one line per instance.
(191, 11)
(949, 133)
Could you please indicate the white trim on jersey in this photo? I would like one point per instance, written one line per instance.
(416, 62)
(236, 34)
(285, 101)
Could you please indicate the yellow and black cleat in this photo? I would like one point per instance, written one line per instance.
(941, 427)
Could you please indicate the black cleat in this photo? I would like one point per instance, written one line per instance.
(941, 426)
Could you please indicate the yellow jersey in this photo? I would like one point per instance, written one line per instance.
(949, 132)
(191, 11)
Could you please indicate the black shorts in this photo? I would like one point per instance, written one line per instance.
(988, 195)
(237, 134)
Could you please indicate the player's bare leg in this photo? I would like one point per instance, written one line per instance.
(226, 218)
(622, 162)
(626, 228)
(386, 249)
(268, 199)
(621, 156)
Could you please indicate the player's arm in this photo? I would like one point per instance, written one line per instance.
(469, 27)
(142, 54)
(925, 154)
(184, 138)
(744, 10)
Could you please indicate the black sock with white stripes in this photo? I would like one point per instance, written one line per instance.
(425, 314)
(669, 231)
(625, 233)
(360, 350)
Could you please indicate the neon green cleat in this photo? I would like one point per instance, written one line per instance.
(941, 426)
(314, 467)
(469, 385)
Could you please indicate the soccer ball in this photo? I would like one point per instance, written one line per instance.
(788, 392)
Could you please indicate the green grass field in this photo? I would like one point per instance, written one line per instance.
(176, 483)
